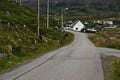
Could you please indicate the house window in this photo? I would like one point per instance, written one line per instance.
(76, 28)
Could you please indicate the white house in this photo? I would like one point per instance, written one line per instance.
(108, 24)
(77, 26)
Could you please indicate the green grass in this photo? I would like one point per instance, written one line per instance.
(115, 69)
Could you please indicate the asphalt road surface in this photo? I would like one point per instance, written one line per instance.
(78, 61)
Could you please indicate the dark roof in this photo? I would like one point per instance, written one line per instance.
(74, 23)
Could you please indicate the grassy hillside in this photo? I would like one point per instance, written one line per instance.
(18, 34)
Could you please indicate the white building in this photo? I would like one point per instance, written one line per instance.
(108, 24)
(77, 26)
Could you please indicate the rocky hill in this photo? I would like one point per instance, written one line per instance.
(79, 6)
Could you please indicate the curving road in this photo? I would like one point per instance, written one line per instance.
(78, 61)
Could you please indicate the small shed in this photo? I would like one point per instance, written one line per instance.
(77, 26)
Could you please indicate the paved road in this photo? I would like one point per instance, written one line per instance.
(78, 61)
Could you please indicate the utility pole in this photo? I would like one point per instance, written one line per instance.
(48, 13)
(20, 2)
(16, 1)
(38, 17)
(62, 19)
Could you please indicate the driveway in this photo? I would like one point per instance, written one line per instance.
(78, 61)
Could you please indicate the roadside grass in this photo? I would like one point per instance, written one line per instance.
(115, 69)
(109, 38)
(69, 39)
(111, 67)
(9, 63)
